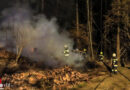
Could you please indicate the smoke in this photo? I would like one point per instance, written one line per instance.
(39, 37)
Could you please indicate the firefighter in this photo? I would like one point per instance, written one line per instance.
(84, 52)
(101, 56)
(66, 50)
(114, 63)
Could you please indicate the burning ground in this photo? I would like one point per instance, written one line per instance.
(57, 78)
(29, 74)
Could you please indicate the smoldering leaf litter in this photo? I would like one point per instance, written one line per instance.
(39, 37)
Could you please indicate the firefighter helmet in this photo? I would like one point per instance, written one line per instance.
(114, 54)
(85, 49)
(101, 52)
(65, 46)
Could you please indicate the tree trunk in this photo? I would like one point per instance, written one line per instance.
(105, 43)
(118, 36)
(19, 54)
(118, 44)
(91, 24)
(17, 49)
(77, 24)
(42, 6)
(57, 7)
(90, 30)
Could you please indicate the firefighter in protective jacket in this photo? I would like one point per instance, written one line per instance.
(66, 50)
(114, 63)
(84, 52)
(101, 56)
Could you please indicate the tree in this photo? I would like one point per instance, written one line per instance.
(77, 24)
(21, 36)
(42, 5)
(19, 26)
(89, 27)
(117, 24)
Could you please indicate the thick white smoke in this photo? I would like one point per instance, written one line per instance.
(39, 37)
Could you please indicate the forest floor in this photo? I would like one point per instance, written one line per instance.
(119, 81)
(99, 78)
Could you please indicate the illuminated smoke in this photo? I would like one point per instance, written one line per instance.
(42, 41)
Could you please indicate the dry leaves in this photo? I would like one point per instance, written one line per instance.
(49, 78)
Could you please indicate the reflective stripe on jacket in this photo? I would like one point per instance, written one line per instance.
(66, 52)
(115, 65)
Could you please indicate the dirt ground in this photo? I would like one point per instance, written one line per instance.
(120, 81)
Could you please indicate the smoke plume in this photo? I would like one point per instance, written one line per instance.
(38, 36)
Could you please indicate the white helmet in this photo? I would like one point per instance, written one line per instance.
(114, 54)
(65, 46)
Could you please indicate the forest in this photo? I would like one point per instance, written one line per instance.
(64, 44)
